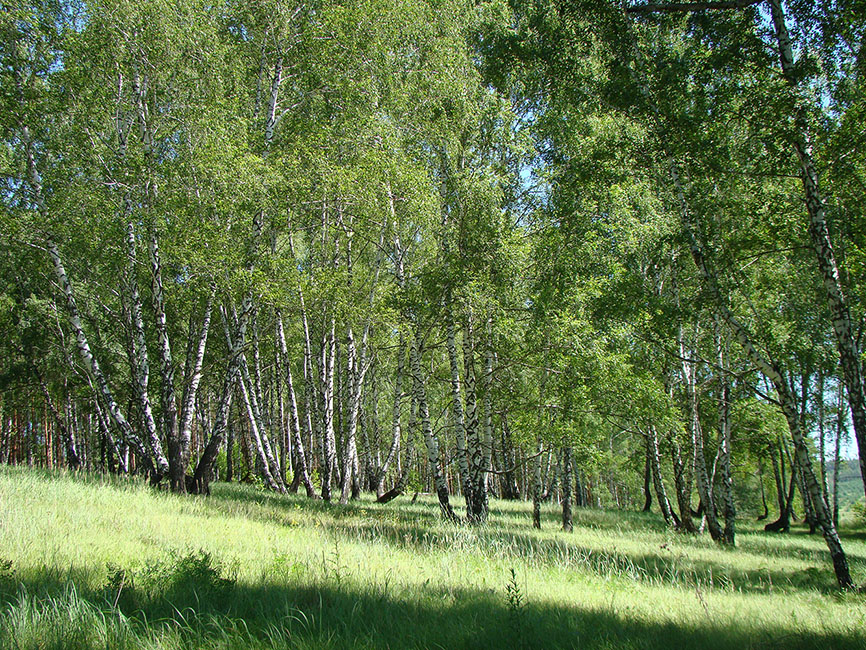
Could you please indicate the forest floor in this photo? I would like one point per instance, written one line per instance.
(90, 562)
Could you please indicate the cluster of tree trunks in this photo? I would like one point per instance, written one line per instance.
(309, 282)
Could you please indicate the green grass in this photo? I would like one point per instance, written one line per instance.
(88, 562)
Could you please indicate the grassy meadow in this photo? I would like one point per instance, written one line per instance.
(91, 562)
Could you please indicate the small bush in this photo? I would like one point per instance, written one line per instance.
(858, 509)
(192, 580)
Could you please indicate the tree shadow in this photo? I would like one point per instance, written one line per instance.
(419, 527)
(667, 566)
(311, 612)
(226, 495)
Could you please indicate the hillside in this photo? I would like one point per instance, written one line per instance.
(90, 563)
(850, 483)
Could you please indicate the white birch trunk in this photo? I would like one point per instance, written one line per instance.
(192, 379)
(139, 357)
(176, 452)
(396, 412)
(658, 482)
(487, 431)
(294, 419)
(457, 413)
(329, 443)
(843, 328)
(786, 400)
(840, 430)
(724, 455)
(102, 421)
(430, 439)
(267, 465)
(477, 505)
(705, 488)
(204, 470)
(90, 361)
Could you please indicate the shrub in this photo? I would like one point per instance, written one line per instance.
(192, 580)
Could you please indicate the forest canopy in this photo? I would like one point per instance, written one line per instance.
(606, 252)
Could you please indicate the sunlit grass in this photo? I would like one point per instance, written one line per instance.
(113, 563)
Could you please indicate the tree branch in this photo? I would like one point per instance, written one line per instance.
(674, 7)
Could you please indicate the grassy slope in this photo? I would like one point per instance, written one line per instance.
(98, 564)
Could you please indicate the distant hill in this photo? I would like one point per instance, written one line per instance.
(850, 483)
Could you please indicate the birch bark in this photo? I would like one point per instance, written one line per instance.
(786, 400)
(658, 483)
(430, 439)
(705, 488)
(203, 475)
(819, 232)
(301, 465)
(724, 455)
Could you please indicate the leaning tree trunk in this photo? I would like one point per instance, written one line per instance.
(770, 370)
(267, 465)
(403, 470)
(192, 380)
(201, 479)
(92, 364)
(257, 406)
(808, 506)
(843, 327)
(73, 459)
(786, 500)
(684, 498)
(105, 431)
(661, 493)
(396, 430)
(256, 434)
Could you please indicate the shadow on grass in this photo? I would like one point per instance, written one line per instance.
(312, 613)
(667, 567)
(227, 495)
(426, 511)
(419, 528)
